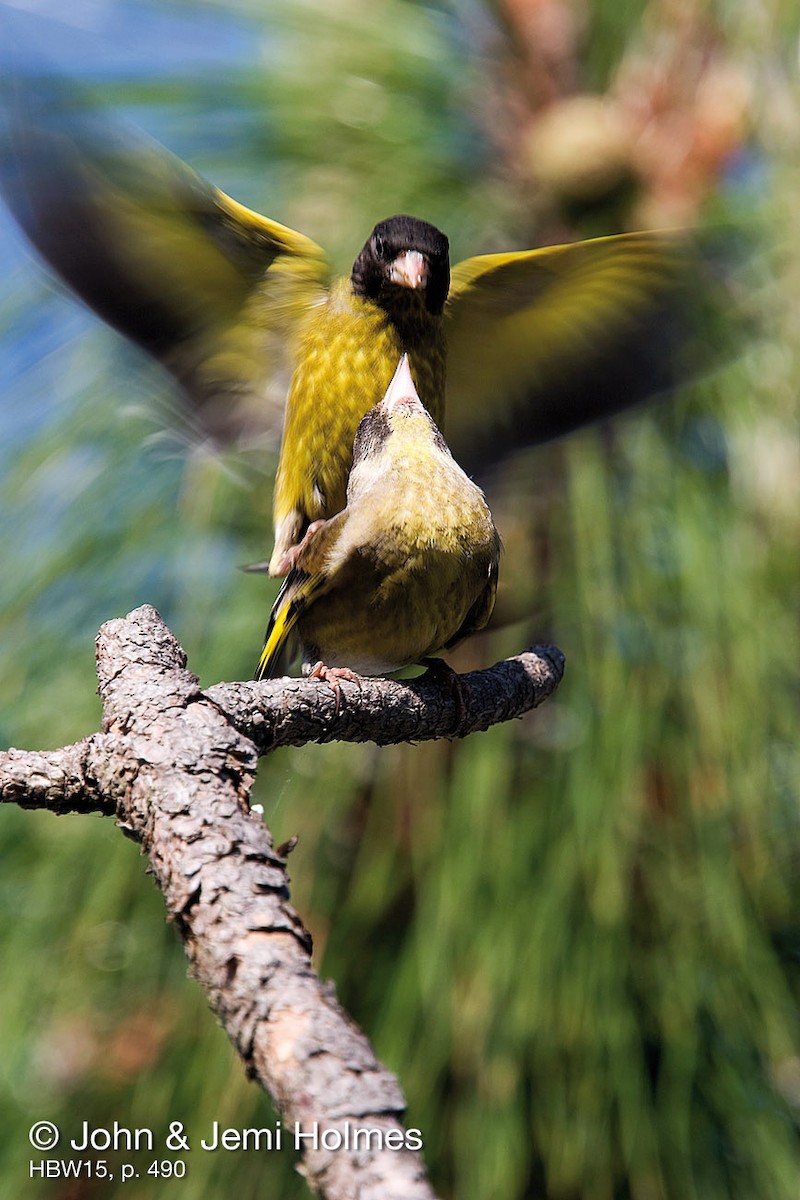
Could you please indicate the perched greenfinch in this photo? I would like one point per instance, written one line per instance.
(407, 569)
(512, 349)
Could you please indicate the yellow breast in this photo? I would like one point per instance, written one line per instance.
(346, 358)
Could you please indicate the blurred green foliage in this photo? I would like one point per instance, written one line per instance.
(575, 938)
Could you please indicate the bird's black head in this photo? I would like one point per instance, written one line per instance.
(404, 252)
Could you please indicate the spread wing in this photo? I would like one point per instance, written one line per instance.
(206, 286)
(542, 341)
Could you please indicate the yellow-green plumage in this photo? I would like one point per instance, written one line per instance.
(346, 354)
(532, 343)
(408, 568)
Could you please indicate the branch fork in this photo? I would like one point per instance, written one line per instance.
(175, 765)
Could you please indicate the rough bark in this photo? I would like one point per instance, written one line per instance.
(176, 765)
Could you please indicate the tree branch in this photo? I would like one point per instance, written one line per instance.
(293, 712)
(176, 765)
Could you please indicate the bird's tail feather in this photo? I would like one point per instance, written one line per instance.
(277, 639)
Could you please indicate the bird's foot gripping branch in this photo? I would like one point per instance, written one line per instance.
(175, 764)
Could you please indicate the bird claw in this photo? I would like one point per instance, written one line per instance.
(331, 676)
(289, 560)
(456, 684)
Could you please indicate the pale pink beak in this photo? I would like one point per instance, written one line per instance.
(410, 269)
(401, 391)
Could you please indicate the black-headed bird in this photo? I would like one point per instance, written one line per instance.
(408, 568)
(507, 350)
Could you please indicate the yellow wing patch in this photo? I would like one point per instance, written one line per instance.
(543, 340)
(293, 598)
